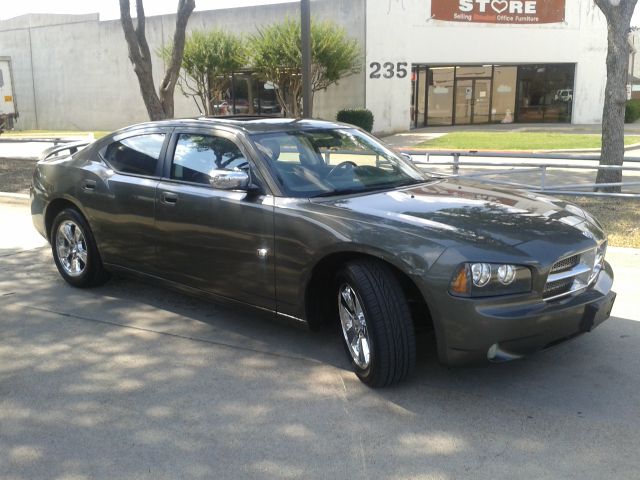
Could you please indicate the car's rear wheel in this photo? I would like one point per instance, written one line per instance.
(74, 250)
(376, 323)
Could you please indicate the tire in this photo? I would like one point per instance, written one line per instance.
(74, 250)
(379, 301)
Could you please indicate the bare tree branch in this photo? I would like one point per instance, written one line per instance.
(167, 87)
(158, 106)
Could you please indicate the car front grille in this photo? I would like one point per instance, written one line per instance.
(573, 273)
(552, 289)
(565, 264)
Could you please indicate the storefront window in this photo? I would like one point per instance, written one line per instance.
(414, 95)
(422, 82)
(477, 71)
(477, 94)
(504, 94)
(440, 101)
(545, 93)
(560, 85)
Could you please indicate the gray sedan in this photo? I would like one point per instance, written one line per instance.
(320, 223)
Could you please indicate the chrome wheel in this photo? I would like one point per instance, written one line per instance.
(71, 248)
(354, 326)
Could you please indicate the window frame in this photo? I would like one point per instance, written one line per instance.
(254, 168)
(138, 133)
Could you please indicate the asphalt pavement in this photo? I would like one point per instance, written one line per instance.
(134, 381)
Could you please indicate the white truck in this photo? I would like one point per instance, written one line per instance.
(8, 105)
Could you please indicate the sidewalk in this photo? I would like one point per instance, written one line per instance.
(30, 145)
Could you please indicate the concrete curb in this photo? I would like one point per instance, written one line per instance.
(20, 198)
(18, 157)
(628, 250)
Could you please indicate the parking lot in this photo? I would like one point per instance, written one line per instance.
(134, 381)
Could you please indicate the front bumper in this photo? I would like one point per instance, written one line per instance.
(37, 212)
(500, 329)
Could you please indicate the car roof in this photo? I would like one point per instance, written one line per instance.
(246, 123)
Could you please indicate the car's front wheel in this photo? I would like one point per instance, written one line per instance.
(376, 322)
(74, 250)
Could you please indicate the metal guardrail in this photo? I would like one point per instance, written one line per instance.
(541, 164)
(55, 141)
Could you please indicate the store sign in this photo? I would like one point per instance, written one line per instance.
(499, 11)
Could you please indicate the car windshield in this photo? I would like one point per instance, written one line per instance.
(323, 162)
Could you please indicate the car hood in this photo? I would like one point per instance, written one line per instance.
(456, 210)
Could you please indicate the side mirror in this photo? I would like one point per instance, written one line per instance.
(406, 156)
(229, 179)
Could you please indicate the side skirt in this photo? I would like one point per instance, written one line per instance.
(208, 296)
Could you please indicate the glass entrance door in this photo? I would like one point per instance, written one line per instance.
(464, 101)
(473, 101)
(481, 100)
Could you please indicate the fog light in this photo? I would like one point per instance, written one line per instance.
(481, 274)
(506, 274)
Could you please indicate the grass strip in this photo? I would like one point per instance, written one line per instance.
(518, 141)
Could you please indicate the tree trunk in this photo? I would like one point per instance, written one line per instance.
(618, 15)
(613, 114)
(159, 106)
(282, 101)
(249, 80)
(168, 85)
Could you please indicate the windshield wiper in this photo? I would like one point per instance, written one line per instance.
(345, 191)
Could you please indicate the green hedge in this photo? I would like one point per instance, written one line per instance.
(632, 111)
(362, 118)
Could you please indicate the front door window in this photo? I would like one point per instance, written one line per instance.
(196, 156)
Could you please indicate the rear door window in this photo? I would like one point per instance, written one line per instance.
(137, 155)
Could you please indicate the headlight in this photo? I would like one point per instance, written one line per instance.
(506, 274)
(480, 274)
(488, 279)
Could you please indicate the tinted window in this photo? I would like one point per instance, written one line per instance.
(137, 155)
(197, 155)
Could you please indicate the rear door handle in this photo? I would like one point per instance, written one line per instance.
(169, 198)
(89, 186)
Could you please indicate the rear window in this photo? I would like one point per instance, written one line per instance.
(138, 155)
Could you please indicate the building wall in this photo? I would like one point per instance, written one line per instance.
(73, 71)
(402, 31)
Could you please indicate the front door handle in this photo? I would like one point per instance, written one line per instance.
(89, 185)
(169, 198)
